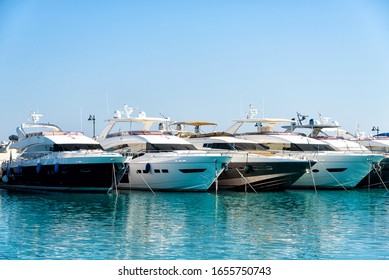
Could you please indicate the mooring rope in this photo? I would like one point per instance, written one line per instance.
(379, 176)
(247, 182)
(144, 180)
(335, 178)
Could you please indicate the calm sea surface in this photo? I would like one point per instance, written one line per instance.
(286, 225)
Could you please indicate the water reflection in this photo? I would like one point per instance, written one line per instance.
(140, 225)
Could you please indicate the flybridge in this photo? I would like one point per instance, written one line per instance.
(123, 120)
(137, 132)
(317, 127)
(38, 127)
(142, 117)
(51, 133)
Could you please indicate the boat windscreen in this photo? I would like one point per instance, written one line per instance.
(248, 147)
(235, 146)
(310, 147)
(169, 147)
(75, 147)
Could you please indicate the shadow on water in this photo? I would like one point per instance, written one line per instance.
(227, 225)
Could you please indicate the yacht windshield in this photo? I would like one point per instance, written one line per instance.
(248, 147)
(169, 147)
(75, 147)
(309, 147)
(235, 146)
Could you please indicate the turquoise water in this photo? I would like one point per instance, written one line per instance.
(286, 225)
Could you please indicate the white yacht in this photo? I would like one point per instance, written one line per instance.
(331, 133)
(54, 160)
(251, 168)
(158, 160)
(334, 169)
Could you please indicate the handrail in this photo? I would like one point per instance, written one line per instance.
(137, 132)
(180, 152)
(59, 154)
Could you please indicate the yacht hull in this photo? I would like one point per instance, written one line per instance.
(172, 171)
(268, 175)
(336, 170)
(65, 175)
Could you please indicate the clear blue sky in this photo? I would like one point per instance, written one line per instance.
(194, 60)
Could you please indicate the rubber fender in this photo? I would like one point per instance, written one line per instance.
(56, 168)
(5, 179)
(38, 167)
(247, 168)
(147, 168)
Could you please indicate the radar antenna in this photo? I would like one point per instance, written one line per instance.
(128, 110)
(35, 117)
(252, 112)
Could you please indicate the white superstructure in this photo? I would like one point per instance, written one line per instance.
(334, 169)
(51, 159)
(158, 160)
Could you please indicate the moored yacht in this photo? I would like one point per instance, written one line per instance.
(331, 133)
(50, 159)
(251, 168)
(158, 160)
(334, 169)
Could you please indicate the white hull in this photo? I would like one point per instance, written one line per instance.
(333, 170)
(337, 170)
(174, 171)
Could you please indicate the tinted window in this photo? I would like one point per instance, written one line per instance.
(310, 147)
(75, 147)
(169, 147)
(248, 147)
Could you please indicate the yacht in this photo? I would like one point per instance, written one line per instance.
(333, 170)
(251, 168)
(158, 160)
(50, 159)
(340, 140)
